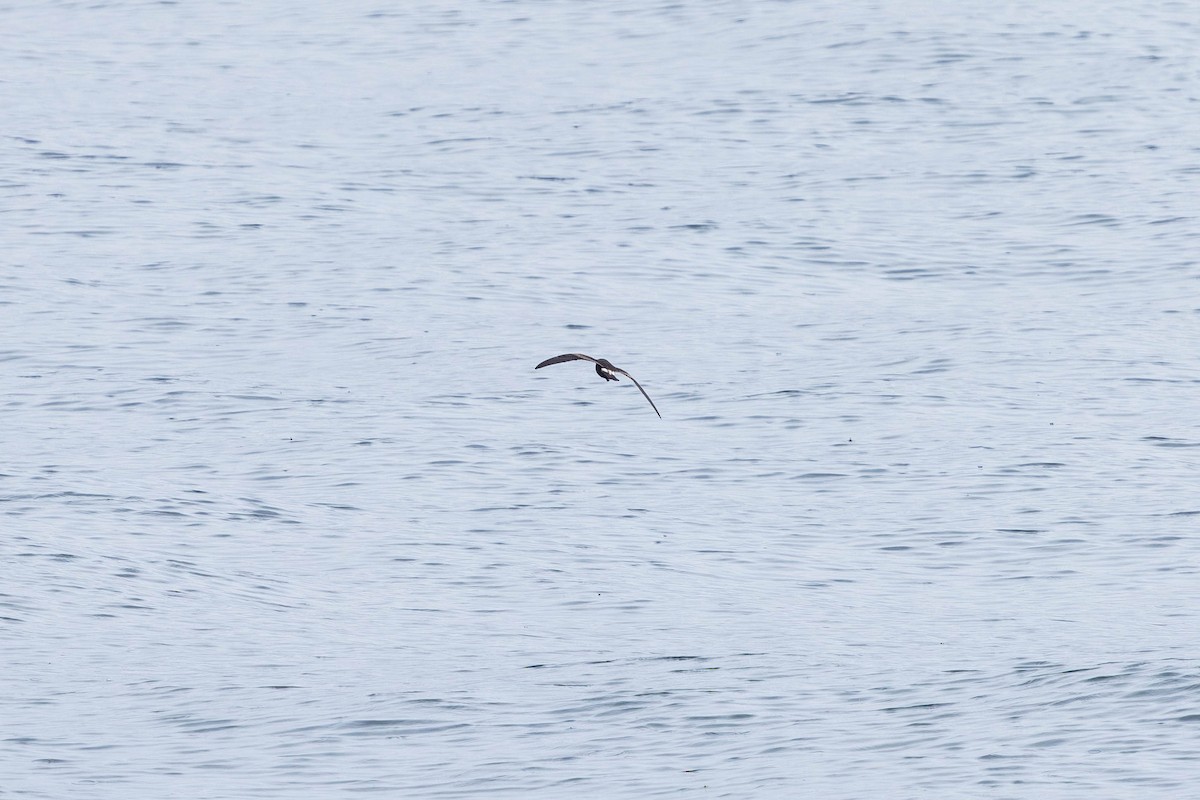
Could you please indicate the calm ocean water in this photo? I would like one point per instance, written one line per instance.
(287, 512)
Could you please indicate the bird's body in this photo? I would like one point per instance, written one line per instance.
(604, 368)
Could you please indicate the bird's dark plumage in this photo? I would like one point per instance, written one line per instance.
(604, 368)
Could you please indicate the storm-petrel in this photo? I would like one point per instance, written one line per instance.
(604, 368)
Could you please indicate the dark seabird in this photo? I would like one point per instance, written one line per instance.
(604, 368)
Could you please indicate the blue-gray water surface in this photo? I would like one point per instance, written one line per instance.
(287, 512)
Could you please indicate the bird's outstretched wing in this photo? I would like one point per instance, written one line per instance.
(567, 357)
(640, 389)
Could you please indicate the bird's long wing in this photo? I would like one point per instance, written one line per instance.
(565, 357)
(640, 389)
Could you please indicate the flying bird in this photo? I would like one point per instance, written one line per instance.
(604, 368)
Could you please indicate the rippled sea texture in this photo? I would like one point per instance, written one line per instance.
(287, 512)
